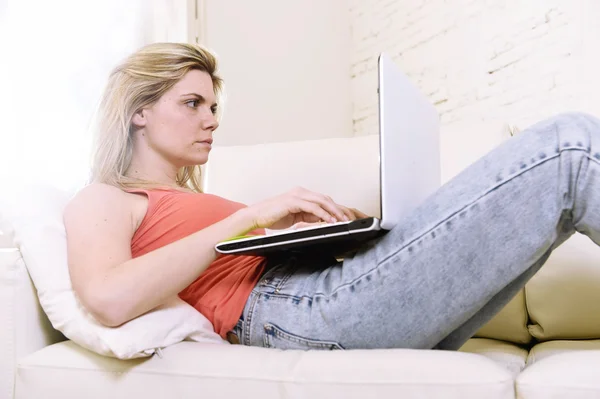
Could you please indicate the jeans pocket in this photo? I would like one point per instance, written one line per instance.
(276, 337)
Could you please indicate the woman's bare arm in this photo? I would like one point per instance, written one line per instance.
(116, 288)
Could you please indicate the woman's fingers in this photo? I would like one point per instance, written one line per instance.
(328, 204)
(305, 205)
(325, 207)
(358, 214)
(348, 213)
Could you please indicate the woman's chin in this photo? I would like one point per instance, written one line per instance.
(197, 160)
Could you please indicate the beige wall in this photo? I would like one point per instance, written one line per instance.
(46, 112)
(286, 66)
(485, 64)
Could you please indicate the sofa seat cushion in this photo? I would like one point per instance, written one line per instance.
(572, 375)
(563, 297)
(550, 348)
(506, 354)
(193, 370)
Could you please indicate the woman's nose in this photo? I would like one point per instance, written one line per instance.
(210, 122)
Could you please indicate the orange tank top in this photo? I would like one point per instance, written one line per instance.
(221, 291)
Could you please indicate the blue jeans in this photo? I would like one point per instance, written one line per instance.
(449, 266)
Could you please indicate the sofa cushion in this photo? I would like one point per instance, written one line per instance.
(34, 214)
(506, 354)
(563, 298)
(572, 375)
(510, 324)
(550, 348)
(193, 370)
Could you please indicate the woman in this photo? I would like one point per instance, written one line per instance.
(143, 231)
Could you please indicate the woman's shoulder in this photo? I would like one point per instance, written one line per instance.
(98, 197)
(99, 192)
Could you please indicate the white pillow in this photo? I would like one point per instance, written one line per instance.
(34, 214)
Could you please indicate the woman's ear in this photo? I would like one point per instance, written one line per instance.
(139, 118)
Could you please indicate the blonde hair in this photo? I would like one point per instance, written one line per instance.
(137, 83)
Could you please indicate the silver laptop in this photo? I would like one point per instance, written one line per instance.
(409, 171)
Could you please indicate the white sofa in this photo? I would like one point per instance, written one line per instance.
(544, 344)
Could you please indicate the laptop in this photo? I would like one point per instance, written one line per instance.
(409, 171)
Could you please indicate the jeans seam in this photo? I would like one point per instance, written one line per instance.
(276, 331)
(282, 281)
(594, 159)
(248, 319)
(276, 283)
(294, 298)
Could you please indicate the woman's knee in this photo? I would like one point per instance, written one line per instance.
(580, 118)
(572, 129)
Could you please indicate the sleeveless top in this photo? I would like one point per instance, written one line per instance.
(221, 291)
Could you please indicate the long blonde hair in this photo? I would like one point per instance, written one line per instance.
(137, 83)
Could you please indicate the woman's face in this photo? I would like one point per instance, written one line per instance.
(180, 125)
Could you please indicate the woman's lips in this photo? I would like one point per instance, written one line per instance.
(205, 143)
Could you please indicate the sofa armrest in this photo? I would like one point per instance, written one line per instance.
(24, 328)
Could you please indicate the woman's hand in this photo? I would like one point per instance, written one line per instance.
(298, 206)
(354, 214)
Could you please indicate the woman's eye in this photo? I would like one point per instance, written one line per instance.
(213, 110)
(192, 103)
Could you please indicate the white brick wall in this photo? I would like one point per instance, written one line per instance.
(483, 63)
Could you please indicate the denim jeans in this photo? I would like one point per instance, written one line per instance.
(450, 265)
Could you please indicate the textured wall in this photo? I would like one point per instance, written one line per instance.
(483, 63)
